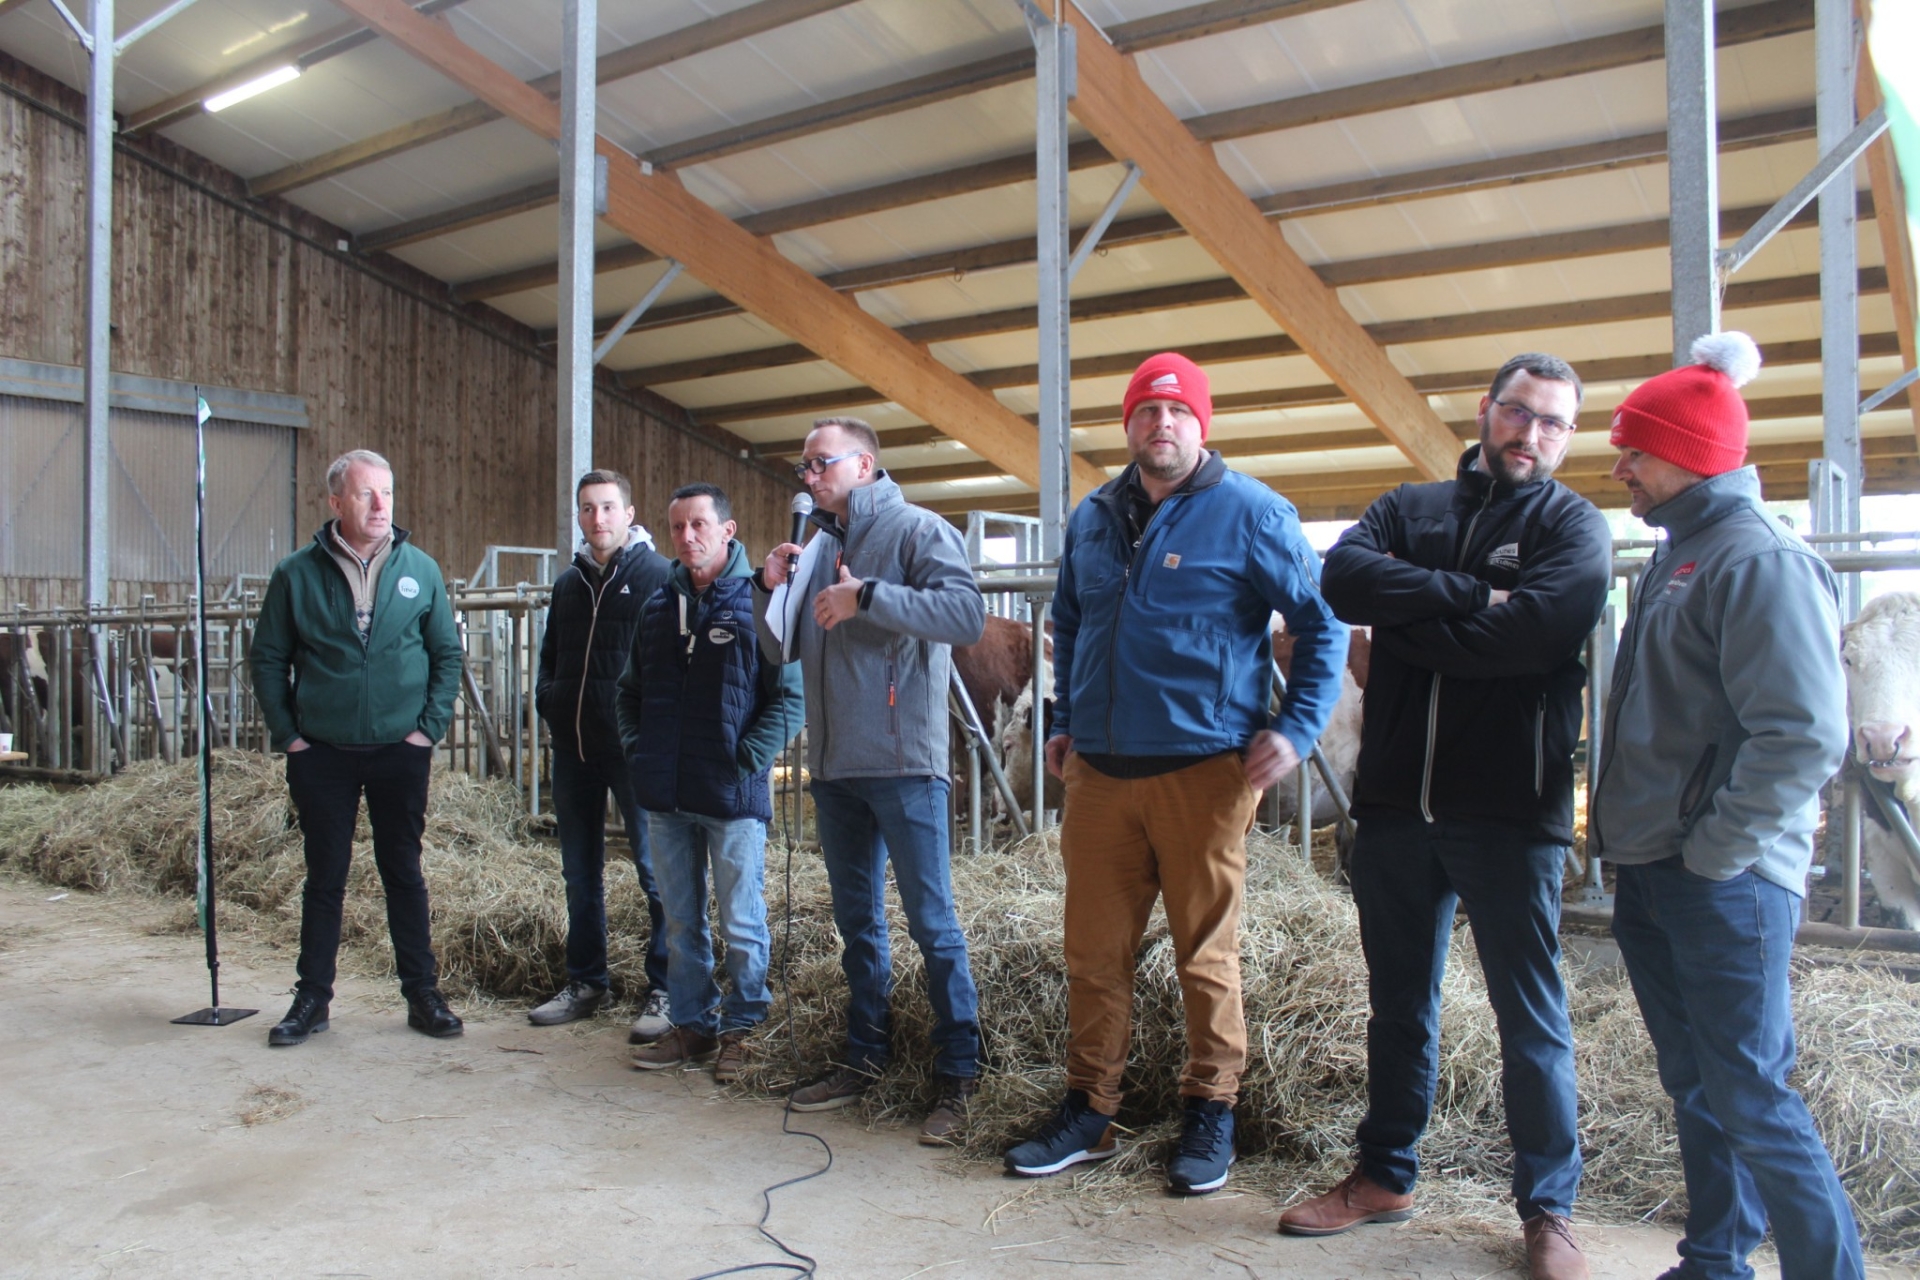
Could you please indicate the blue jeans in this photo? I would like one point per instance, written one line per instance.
(684, 846)
(863, 822)
(580, 810)
(1409, 876)
(1708, 960)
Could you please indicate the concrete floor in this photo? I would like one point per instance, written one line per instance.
(131, 1147)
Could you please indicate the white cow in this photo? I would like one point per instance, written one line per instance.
(1881, 650)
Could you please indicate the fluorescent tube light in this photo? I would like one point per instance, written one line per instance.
(258, 85)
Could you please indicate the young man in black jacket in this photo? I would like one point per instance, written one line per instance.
(1480, 592)
(596, 608)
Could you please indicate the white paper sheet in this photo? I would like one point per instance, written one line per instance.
(783, 611)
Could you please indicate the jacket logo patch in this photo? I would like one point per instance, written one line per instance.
(407, 587)
(1172, 560)
(720, 635)
(1680, 576)
(626, 591)
(1506, 556)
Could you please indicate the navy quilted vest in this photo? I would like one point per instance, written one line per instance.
(699, 689)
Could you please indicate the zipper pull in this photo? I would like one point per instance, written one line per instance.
(890, 693)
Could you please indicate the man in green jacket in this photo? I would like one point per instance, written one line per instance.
(356, 663)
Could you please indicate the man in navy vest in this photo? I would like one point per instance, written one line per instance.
(702, 716)
(590, 625)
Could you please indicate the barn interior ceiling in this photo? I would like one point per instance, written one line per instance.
(1467, 178)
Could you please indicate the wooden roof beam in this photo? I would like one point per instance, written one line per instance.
(656, 210)
(1575, 58)
(741, 24)
(1552, 247)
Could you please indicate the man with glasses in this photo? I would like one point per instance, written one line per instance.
(875, 651)
(1481, 592)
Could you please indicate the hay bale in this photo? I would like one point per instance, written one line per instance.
(500, 928)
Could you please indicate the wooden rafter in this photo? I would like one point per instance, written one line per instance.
(741, 24)
(1896, 248)
(656, 210)
(1580, 57)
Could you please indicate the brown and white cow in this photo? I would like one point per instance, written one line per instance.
(1881, 650)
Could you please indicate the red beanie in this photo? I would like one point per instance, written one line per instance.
(1170, 376)
(1693, 417)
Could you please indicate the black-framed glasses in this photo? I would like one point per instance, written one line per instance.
(818, 466)
(1518, 417)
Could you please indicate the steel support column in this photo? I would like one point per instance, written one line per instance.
(1693, 181)
(1054, 49)
(1834, 52)
(96, 350)
(579, 172)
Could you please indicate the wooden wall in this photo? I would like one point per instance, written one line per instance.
(213, 288)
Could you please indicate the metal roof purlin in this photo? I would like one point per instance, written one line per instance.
(656, 209)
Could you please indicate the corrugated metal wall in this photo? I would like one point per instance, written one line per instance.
(206, 291)
(250, 495)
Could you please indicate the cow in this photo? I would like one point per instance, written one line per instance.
(1339, 741)
(1014, 744)
(1881, 651)
(997, 667)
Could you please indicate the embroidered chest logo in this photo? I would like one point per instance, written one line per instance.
(626, 591)
(1681, 577)
(1506, 556)
(1172, 560)
(407, 587)
(719, 635)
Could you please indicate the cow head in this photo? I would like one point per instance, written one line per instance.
(1881, 651)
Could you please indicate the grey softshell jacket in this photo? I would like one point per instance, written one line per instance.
(1728, 711)
(876, 685)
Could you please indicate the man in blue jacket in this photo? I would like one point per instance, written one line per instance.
(590, 624)
(1728, 713)
(1169, 578)
(1481, 592)
(702, 716)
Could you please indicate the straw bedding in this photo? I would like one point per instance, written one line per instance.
(500, 928)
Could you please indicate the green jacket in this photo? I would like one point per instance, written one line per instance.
(313, 677)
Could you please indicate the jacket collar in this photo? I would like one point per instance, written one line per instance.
(323, 536)
(1212, 471)
(1476, 483)
(863, 504)
(1713, 499)
(736, 567)
(637, 536)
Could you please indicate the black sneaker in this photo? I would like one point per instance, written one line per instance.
(1206, 1148)
(307, 1017)
(576, 1000)
(1077, 1132)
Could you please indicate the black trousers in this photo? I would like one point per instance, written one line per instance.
(326, 784)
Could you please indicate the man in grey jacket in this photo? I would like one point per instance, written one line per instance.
(1728, 713)
(875, 647)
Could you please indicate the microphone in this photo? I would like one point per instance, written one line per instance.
(802, 507)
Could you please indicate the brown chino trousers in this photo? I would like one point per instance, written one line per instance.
(1181, 836)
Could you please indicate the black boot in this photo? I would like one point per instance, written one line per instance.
(307, 1017)
(427, 1012)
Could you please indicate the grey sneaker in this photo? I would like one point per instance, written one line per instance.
(838, 1088)
(653, 1021)
(576, 1000)
(732, 1062)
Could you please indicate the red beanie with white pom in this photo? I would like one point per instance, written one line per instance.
(1693, 417)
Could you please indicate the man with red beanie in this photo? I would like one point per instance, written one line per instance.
(1728, 713)
(1481, 592)
(1169, 576)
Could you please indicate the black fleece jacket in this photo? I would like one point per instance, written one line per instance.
(1472, 712)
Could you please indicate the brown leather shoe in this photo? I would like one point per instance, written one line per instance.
(1552, 1252)
(1355, 1199)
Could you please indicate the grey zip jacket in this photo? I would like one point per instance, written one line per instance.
(1728, 711)
(876, 685)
